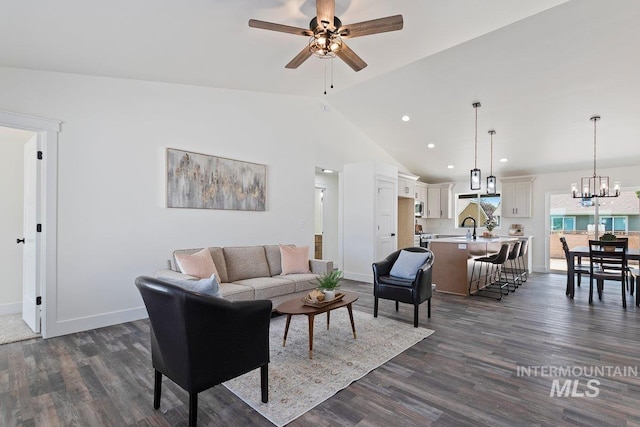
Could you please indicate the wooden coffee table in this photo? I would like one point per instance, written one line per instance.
(296, 306)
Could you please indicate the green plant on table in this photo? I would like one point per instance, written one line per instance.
(330, 281)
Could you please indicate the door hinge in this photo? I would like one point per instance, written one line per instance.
(39, 155)
(38, 300)
(39, 228)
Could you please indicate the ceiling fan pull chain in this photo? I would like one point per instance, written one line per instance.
(325, 78)
(331, 73)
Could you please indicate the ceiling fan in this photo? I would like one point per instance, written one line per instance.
(326, 33)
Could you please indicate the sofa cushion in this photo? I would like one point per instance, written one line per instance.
(273, 259)
(268, 287)
(294, 259)
(208, 286)
(407, 264)
(234, 292)
(304, 281)
(198, 264)
(218, 260)
(246, 262)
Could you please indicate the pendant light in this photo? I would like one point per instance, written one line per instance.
(475, 178)
(596, 185)
(491, 180)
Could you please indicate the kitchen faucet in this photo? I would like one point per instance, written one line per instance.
(474, 225)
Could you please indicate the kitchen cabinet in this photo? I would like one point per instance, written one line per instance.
(406, 187)
(516, 197)
(438, 201)
(421, 192)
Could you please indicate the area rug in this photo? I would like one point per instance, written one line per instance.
(297, 384)
(13, 328)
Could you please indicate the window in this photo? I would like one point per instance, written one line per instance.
(563, 223)
(480, 207)
(614, 223)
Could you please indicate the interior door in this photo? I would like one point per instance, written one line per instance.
(30, 291)
(385, 218)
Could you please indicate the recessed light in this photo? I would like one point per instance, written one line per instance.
(449, 166)
(431, 145)
(504, 160)
(406, 118)
(327, 171)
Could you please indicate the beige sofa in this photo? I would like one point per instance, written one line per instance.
(254, 272)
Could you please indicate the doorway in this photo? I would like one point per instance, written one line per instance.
(43, 284)
(12, 142)
(326, 217)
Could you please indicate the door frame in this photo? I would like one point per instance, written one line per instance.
(46, 243)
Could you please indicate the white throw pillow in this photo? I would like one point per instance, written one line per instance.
(407, 264)
(208, 286)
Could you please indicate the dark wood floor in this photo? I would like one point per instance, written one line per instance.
(463, 375)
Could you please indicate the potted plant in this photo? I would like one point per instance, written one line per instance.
(608, 237)
(328, 283)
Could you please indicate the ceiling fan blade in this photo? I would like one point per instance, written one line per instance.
(351, 58)
(326, 10)
(299, 59)
(381, 25)
(254, 23)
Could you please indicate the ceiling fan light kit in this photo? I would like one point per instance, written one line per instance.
(326, 34)
(596, 185)
(475, 175)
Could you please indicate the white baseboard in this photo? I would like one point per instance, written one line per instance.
(12, 308)
(72, 326)
(368, 278)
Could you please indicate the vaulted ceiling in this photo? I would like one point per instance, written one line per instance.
(540, 68)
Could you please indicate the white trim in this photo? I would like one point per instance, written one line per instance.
(12, 308)
(80, 324)
(32, 123)
(47, 130)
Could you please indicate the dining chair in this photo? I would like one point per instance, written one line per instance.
(578, 269)
(607, 261)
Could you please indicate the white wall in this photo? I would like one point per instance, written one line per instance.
(112, 223)
(11, 218)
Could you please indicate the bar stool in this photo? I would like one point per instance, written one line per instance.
(493, 271)
(522, 267)
(514, 279)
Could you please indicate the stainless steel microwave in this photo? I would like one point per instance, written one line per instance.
(418, 208)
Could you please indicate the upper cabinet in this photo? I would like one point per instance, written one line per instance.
(516, 197)
(438, 201)
(421, 192)
(407, 185)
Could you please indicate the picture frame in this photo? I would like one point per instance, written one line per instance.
(201, 181)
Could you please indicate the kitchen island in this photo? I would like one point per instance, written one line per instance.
(454, 258)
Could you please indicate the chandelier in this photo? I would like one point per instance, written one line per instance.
(596, 185)
(475, 172)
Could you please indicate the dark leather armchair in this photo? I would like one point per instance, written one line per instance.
(407, 291)
(199, 341)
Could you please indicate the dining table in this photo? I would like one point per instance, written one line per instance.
(575, 257)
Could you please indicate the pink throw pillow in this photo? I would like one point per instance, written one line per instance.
(294, 259)
(199, 264)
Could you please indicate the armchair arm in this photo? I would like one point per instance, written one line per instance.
(424, 279)
(320, 266)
